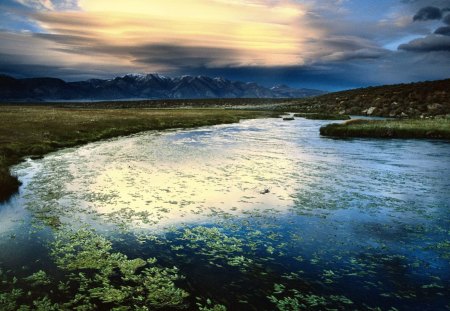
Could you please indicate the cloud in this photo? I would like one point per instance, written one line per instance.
(446, 19)
(263, 33)
(179, 57)
(328, 41)
(345, 48)
(357, 54)
(49, 5)
(445, 31)
(22, 54)
(428, 13)
(427, 44)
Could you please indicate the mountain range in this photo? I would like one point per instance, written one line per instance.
(141, 86)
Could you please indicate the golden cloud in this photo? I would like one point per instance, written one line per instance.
(258, 32)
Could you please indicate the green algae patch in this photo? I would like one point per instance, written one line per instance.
(106, 277)
(209, 306)
(94, 277)
(293, 300)
(38, 279)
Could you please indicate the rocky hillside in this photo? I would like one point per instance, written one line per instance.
(423, 99)
(138, 86)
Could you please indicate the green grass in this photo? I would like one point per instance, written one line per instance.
(438, 128)
(37, 130)
(322, 116)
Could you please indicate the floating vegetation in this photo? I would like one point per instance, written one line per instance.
(210, 306)
(96, 277)
(182, 220)
(112, 278)
(292, 300)
(38, 279)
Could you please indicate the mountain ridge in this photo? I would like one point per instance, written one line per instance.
(141, 86)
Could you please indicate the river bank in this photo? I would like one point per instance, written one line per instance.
(437, 128)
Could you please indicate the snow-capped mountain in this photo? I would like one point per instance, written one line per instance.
(141, 86)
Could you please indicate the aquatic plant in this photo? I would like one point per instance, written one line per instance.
(294, 300)
(38, 278)
(209, 305)
(106, 277)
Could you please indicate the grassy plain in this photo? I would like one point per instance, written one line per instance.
(37, 130)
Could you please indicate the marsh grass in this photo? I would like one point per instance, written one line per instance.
(438, 128)
(37, 130)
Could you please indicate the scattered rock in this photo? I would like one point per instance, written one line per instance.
(371, 110)
(434, 107)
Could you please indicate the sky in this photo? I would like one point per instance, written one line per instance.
(322, 44)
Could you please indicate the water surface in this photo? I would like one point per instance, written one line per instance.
(259, 215)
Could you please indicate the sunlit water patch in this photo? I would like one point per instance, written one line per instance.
(260, 215)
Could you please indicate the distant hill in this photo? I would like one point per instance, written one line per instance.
(138, 86)
(420, 99)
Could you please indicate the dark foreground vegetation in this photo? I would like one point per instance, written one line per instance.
(37, 130)
(437, 128)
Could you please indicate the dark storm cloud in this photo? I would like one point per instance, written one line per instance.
(345, 48)
(181, 56)
(427, 44)
(445, 31)
(329, 77)
(416, 5)
(72, 40)
(428, 13)
(33, 70)
(21, 67)
(171, 55)
(446, 19)
(398, 67)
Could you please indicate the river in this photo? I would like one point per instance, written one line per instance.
(258, 215)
